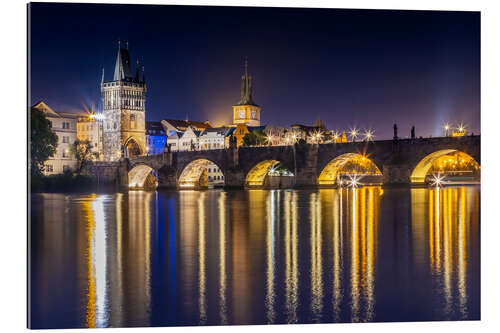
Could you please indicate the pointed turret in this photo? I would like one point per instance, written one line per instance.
(246, 88)
(137, 74)
(143, 75)
(122, 65)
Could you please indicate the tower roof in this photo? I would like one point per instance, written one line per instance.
(246, 88)
(122, 66)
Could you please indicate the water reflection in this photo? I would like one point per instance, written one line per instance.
(254, 257)
(291, 257)
(449, 233)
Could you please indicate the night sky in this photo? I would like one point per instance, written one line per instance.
(363, 68)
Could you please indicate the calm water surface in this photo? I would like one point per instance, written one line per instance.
(254, 257)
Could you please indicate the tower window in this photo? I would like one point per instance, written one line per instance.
(132, 121)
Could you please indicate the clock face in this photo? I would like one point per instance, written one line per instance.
(242, 114)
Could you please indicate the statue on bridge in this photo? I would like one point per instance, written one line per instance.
(395, 127)
(413, 132)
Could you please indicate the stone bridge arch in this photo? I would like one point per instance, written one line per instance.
(194, 175)
(142, 176)
(256, 162)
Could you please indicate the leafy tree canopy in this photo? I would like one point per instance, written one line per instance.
(255, 138)
(43, 141)
(82, 151)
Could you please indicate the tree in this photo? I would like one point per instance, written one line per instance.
(82, 151)
(255, 138)
(43, 141)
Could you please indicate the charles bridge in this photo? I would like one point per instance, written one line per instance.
(400, 162)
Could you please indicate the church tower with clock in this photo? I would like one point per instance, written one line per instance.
(246, 111)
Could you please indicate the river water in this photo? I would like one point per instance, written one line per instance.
(254, 257)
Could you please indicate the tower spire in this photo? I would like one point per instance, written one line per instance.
(122, 65)
(246, 87)
(102, 76)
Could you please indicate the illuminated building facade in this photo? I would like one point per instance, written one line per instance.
(124, 106)
(156, 137)
(246, 111)
(64, 126)
(89, 127)
(172, 125)
(215, 138)
(184, 141)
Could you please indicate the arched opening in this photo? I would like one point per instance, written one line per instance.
(269, 173)
(201, 173)
(350, 168)
(132, 148)
(142, 177)
(450, 165)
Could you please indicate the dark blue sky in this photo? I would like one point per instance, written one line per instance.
(364, 68)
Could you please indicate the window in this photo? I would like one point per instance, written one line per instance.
(65, 139)
(65, 125)
(114, 125)
(66, 168)
(49, 168)
(65, 153)
(108, 125)
(253, 114)
(242, 114)
(132, 121)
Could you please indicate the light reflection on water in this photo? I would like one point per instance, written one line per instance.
(254, 257)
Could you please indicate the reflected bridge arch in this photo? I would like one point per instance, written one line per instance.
(350, 164)
(445, 161)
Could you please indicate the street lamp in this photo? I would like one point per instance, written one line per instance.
(446, 129)
(354, 134)
(369, 135)
(269, 139)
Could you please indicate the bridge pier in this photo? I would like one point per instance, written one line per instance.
(167, 177)
(234, 178)
(305, 159)
(396, 174)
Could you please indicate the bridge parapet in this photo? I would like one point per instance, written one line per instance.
(396, 159)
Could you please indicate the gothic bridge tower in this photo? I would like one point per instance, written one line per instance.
(124, 108)
(246, 111)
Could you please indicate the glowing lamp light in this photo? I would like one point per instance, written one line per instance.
(369, 135)
(354, 133)
(353, 181)
(437, 180)
(269, 139)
